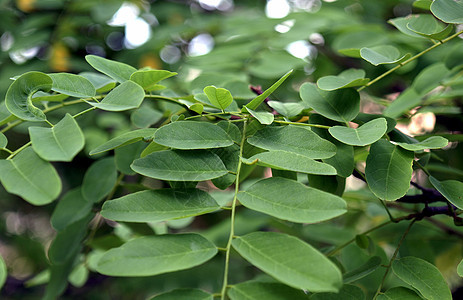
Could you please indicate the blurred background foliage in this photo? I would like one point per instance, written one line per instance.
(231, 44)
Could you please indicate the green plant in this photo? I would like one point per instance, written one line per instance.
(208, 156)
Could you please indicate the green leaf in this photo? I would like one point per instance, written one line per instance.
(99, 179)
(364, 135)
(68, 241)
(124, 139)
(259, 99)
(148, 79)
(70, 208)
(62, 142)
(145, 116)
(367, 268)
(230, 157)
(159, 205)
(147, 256)
(430, 78)
(449, 11)
(124, 157)
(293, 139)
(423, 276)
(219, 97)
(388, 170)
(284, 160)
(30, 177)
(18, 98)
(423, 4)
(254, 290)
(192, 135)
(118, 71)
(434, 142)
(401, 24)
(306, 269)
(42, 96)
(340, 105)
(184, 294)
(428, 26)
(232, 130)
(3, 272)
(347, 292)
(197, 108)
(379, 55)
(452, 190)
(79, 275)
(287, 109)
(264, 117)
(178, 165)
(3, 140)
(346, 79)
(460, 268)
(399, 293)
(102, 83)
(406, 100)
(72, 85)
(301, 204)
(127, 95)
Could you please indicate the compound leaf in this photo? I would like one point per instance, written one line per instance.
(341, 105)
(159, 205)
(219, 97)
(60, 143)
(30, 177)
(423, 276)
(124, 139)
(178, 165)
(301, 204)
(18, 99)
(147, 256)
(148, 79)
(254, 290)
(364, 135)
(72, 85)
(192, 135)
(388, 170)
(379, 55)
(307, 269)
(449, 11)
(434, 142)
(345, 79)
(452, 190)
(118, 71)
(127, 95)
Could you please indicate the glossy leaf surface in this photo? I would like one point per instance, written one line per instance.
(290, 260)
(59, 143)
(119, 71)
(72, 85)
(18, 98)
(388, 170)
(192, 135)
(30, 177)
(127, 95)
(147, 256)
(366, 134)
(293, 139)
(264, 117)
(423, 276)
(180, 165)
(290, 161)
(340, 105)
(301, 204)
(159, 205)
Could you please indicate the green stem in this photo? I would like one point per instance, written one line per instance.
(232, 217)
(19, 150)
(340, 247)
(388, 267)
(409, 60)
(302, 124)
